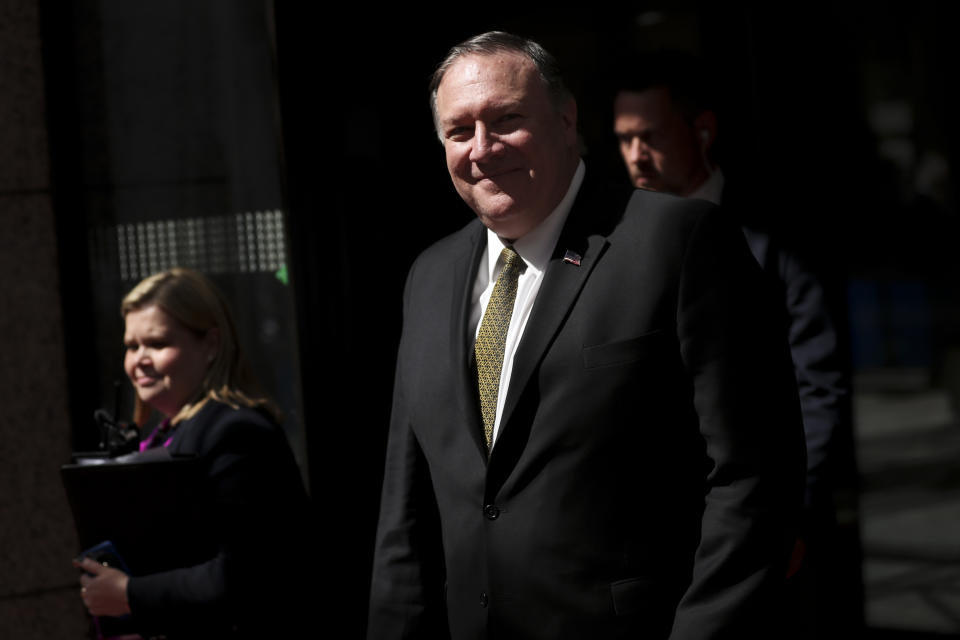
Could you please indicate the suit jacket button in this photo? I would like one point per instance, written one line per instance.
(483, 599)
(491, 512)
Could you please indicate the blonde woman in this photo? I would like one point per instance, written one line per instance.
(184, 361)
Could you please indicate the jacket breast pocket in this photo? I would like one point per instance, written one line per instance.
(648, 345)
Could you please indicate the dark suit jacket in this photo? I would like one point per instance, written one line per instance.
(249, 535)
(649, 465)
(822, 370)
(811, 319)
(827, 592)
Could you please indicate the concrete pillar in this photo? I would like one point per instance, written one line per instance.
(39, 594)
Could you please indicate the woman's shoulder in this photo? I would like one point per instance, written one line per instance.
(218, 424)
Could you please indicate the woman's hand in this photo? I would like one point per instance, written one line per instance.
(105, 592)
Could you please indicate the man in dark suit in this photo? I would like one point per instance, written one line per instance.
(667, 127)
(595, 431)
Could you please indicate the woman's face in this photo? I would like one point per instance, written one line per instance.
(166, 361)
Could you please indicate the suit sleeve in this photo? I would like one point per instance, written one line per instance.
(745, 399)
(822, 374)
(406, 596)
(256, 505)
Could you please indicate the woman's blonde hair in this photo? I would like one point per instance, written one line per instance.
(193, 301)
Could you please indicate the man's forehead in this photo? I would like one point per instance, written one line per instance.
(491, 81)
(503, 67)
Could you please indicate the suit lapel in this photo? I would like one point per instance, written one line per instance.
(562, 282)
(464, 273)
(592, 218)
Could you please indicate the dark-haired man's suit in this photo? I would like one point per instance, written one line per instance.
(649, 465)
(828, 590)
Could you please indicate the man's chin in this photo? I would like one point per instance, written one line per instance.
(646, 182)
(508, 223)
(499, 223)
(497, 209)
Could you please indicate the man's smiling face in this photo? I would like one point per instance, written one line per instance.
(511, 152)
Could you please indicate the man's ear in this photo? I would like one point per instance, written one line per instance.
(568, 114)
(706, 126)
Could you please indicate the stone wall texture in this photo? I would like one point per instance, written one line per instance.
(39, 597)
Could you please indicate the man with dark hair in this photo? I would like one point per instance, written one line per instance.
(664, 129)
(666, 126)
(595, 433)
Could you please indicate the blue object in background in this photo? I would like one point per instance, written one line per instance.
(890, 323)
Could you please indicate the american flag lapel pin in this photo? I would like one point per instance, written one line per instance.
(572, 257)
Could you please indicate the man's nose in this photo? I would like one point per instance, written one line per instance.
(485, 145)
(637, 150)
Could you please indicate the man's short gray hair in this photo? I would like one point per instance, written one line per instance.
(494, 42)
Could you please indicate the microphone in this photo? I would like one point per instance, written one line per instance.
(116, 438)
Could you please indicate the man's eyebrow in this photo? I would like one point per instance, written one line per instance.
(507, 105)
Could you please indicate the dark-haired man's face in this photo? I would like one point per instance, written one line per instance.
(661, 149)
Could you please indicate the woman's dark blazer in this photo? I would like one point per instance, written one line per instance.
(253, 511)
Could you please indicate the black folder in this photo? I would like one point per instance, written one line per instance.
(152, 507)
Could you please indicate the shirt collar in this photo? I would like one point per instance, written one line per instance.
(537, 246)
(711, 189)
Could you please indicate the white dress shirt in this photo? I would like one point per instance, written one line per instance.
(535, 249)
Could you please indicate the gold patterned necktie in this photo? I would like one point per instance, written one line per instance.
(492, 338)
